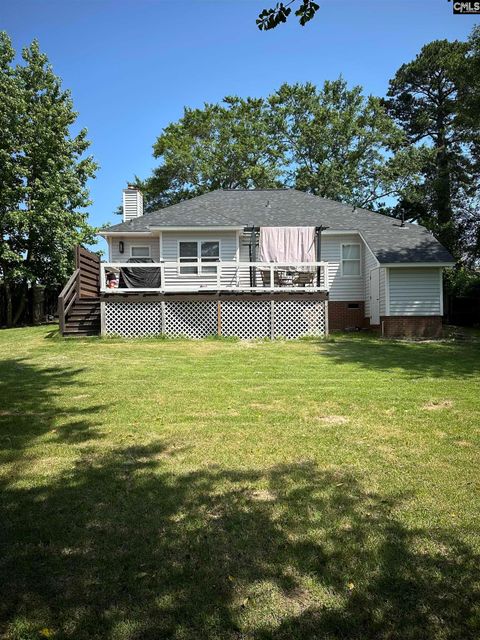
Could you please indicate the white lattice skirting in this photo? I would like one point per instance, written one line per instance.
(244, 319)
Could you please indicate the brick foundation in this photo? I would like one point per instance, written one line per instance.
(341, 317)
(412, 326)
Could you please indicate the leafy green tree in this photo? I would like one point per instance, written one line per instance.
(10, 175)
(43, 172)
(271, 18)
(428, 98)
(342, 145)
(222, 146)
(332, 142)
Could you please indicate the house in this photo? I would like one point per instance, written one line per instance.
(264, 263)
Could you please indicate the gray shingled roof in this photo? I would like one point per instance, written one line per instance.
(289, 207)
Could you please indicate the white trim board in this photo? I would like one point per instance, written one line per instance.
(130, 234)
(195, 229)
(401, 265)
(440, 271)
(387, 291)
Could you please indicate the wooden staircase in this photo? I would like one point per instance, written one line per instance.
(79, 302)
(83, 318)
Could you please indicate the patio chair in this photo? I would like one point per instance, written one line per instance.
(303, 278)
(265, 273)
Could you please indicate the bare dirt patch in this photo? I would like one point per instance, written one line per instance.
(273, 405)
(263, 495)
(333, 419)
(434, 405)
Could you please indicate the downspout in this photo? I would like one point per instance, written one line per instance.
(319, 252)
(252, 252)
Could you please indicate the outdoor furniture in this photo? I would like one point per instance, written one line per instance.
(286, 278)
(140, 277)
(303, 278)
(265, 273)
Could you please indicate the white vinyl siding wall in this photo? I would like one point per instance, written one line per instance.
(347, 288)
(228, 252)
(383, 292)
(415, 291)
(116, 256)
(369, 263)
(132, 204)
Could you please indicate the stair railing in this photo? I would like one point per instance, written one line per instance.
(66, 299)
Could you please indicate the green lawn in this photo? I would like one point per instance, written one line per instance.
(235, 490)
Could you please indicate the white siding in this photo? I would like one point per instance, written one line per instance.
(116, 256)
(369, 263)
(244, 274)
(347, 288)
(132, 204)
(228, 252)
(415, 291)
(383, 292)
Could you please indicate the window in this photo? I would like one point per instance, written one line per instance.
(350, 259)
(198, 257)
(140, 252)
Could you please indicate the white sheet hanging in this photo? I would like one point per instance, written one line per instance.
(287, 245)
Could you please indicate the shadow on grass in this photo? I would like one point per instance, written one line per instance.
(121, 546)
(414, 359)
(28, 406)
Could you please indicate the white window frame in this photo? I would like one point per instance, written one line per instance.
(359, 259)
(192, 262)
(140, 246)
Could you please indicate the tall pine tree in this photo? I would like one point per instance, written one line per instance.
(427, 98)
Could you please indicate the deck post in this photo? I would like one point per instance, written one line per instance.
(162, 277)
(102, 319)
(219, 318)
(61, 314)
(272, 319)
(253, 256)
(319, 254)
(325, 306)
(162, 317)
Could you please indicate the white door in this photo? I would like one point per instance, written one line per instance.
(375, 296)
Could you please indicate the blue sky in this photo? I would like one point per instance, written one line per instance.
(132, 65)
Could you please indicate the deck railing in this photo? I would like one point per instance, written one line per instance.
(198, 276)
(67, 297)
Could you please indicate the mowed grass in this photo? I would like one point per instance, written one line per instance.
(239, 490)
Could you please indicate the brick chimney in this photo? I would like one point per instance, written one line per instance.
(132, 203)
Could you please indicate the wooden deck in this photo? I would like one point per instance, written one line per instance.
(84, 299)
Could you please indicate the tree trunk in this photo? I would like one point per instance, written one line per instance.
(8, 296)
(442, 190)
(38, 303)
(22, 304)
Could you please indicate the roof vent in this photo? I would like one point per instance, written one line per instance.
(402, 217)
(268, 205)
(132, 203)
